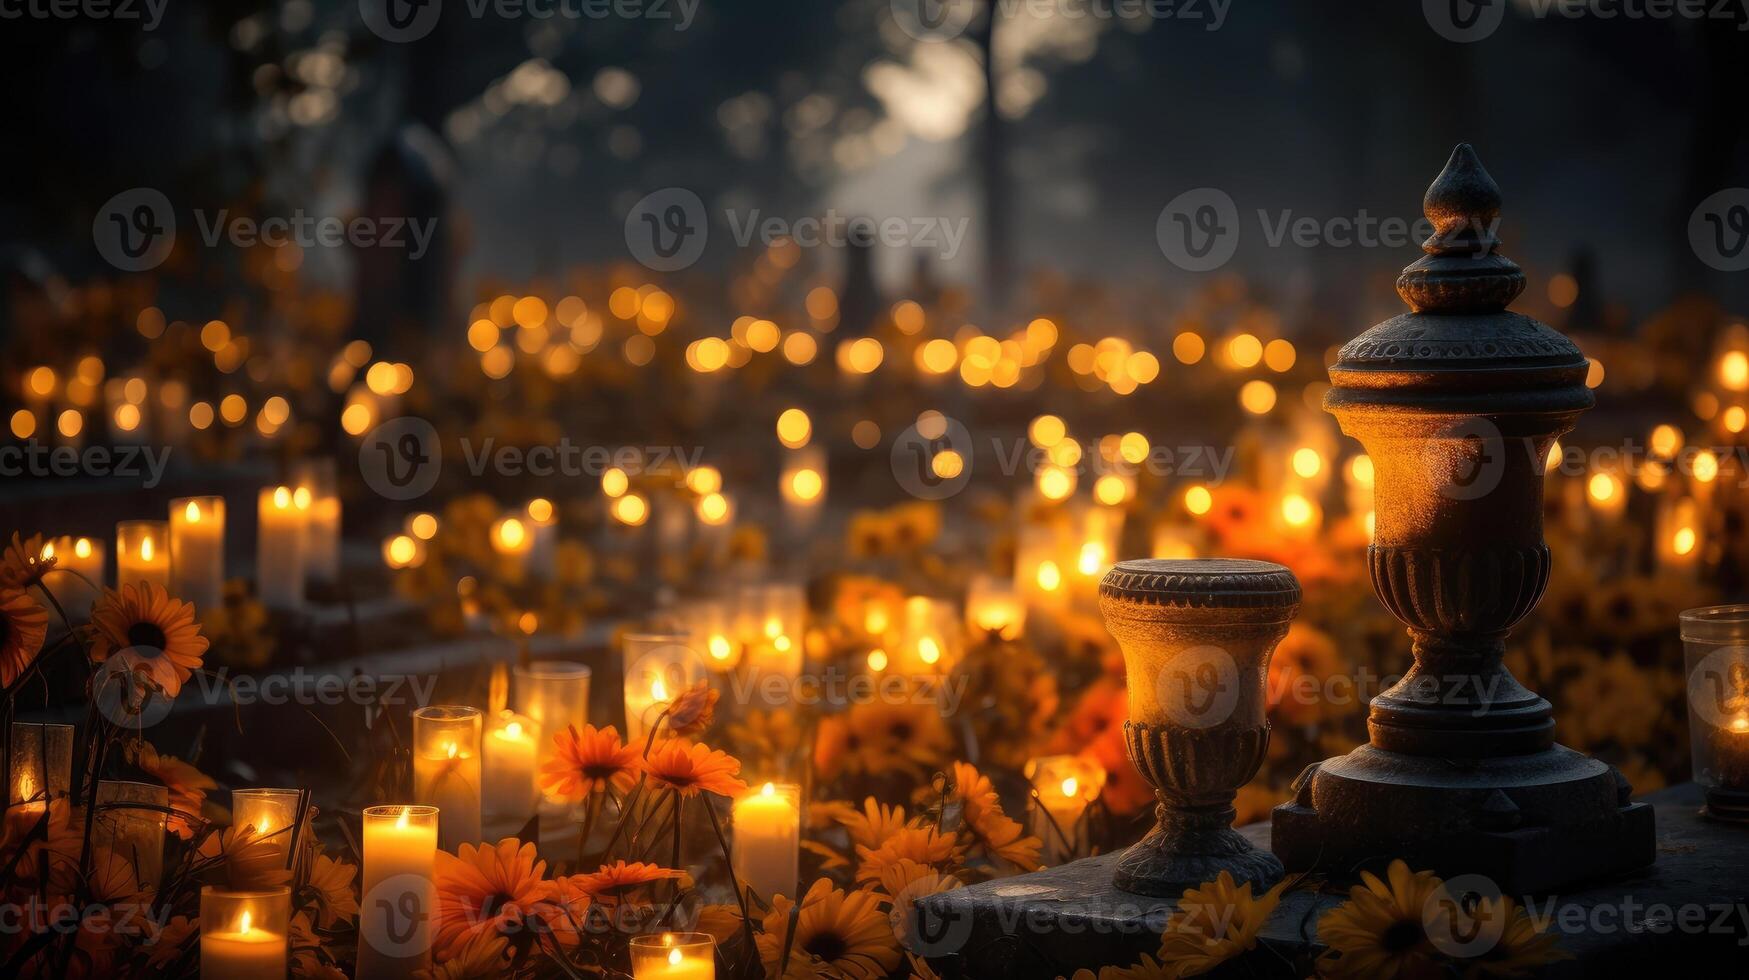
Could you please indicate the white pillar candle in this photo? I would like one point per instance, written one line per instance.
(272, 813)
(767, 846)
(509, 773)
(446, 769)
(322, 533)
(197, 551)
(394, 918)
(243, 933)
(142, 554)
(279, 549)
(512, 541)
(79, 573)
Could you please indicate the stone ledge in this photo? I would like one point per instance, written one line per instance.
(1053, 922)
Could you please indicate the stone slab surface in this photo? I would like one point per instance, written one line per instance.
(1689, 912)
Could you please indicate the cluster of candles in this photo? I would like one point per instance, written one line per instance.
(298, 541)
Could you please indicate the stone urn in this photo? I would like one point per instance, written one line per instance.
(1196, 636)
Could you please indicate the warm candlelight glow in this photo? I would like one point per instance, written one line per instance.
(1049, 577)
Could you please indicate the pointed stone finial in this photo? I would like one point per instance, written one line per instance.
(1462, 271)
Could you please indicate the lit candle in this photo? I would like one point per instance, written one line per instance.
(554, 695)
(1038, 572)
(931, 640)
(1608, 496)
(142, 554)
(78, 577)
(283, 514)
(270, 813)
(400, 857)
(1065, 785)
(322, 533)
(707, 623)
(509, 773)
(1678, 529)
(197, 551)
(993, 606)
(243, 933)
(512, 541)
(776, 650)
(767, 845)
(803, 487)
(658, 666)
(543, 530)
(42, 766)
(446, 769)
(674, 956)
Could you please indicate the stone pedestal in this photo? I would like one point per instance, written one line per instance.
(1458, 402)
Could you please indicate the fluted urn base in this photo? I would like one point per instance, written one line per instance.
(1530, 823)
(1187, 849)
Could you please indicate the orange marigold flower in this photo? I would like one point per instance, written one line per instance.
(615, 881)
(22, 560)
(1001, 837)
(922, 844)
(587, 762)
(689, 767)
(24, 624)
(188, 785)
(156, 632)
(487, 889)
(694, 710)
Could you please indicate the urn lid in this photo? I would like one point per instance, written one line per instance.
(1460, 350)
(1202, 583)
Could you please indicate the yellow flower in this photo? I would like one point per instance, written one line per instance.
(1215, 922)
(1381, 931)
(22, 561)
(837, 935)
(487, 890)
(332, 881)
(24, 624)
(1147, 969)
(1001, 837)
(188, 786)
(1521, 948)
(923, 844)
(587, 762)
(906, 734)
(690, 768)
(874, 824)
(156, 633)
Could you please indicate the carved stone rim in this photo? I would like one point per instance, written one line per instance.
(1202, 583)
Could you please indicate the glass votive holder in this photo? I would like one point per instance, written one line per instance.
(80, 566)
(130, 821)
(1715, 643)
(41, 766)
(674, 956)
(1063, 787)
(243, 933)
(446, 769)
(712, 630)
(555, 694)
(271, 814)
(658, 667)
(511, 747)
(993, 608)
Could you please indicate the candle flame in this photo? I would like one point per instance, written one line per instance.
(719, 646)
(769, 789)
(1684, 540)
(1740, 724)
(674, 957)
(48, 551)
(876, 620)
(658, 690)
(146, 548)
(1071, 786)
(782, 644)
(773, 628)
(452, 750)
(191, 513)
(301, 498)
(401, 821)
(1049, 578)
(877, 660)
(513, 730)
(511, 533)
(247, 922)
(1092, 556)
(282, 497)
(928, 650)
